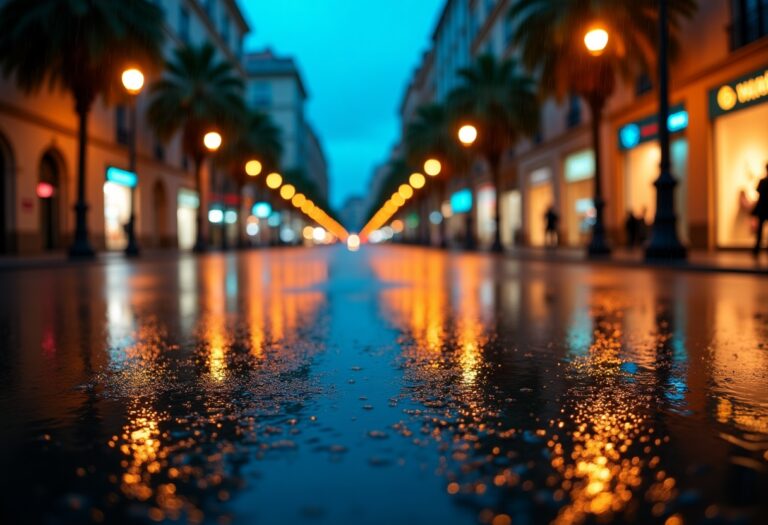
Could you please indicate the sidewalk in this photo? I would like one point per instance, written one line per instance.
(699, 261)
(59, 259)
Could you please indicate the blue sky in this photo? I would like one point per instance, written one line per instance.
(356, 58)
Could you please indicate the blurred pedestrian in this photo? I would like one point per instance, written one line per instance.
(760, 211)
(552, 219)
(631, 229)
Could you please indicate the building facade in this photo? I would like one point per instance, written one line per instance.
(38, 156)
(719, 103)
(275, 86)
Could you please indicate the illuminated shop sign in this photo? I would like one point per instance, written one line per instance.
(461, 201)
(121, 177)
(635, 133)
(188, 199)
(580, 166)
(739, 94)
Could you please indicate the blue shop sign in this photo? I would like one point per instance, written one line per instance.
(122, 177)
(647, 129)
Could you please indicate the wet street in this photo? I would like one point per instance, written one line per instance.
(392, 385)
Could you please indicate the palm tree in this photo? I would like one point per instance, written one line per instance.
(79, 47)
(550, 37)
(504, 106)
(198, 92)
(432, 134)
(259, 139)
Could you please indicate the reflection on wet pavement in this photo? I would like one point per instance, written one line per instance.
(384, 386)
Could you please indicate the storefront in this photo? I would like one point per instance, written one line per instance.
(640, 158)
(459, 215)
(578, 205)
(486, 210)
(540, 196)
(117, 206)
(739, 112)
(187, 203)
(512, 218)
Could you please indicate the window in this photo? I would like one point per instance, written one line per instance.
(749, 21)
(573, 118)
(184, 24)
(262, 94)
(121, 125)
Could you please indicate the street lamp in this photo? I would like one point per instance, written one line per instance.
(212, 141)
(433, 167)
(596, 42)
(664, 243)
(467, 134)
(133, 81)
(253, 168)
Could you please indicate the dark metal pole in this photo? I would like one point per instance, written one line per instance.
(598, 245)
(132, 249)
(664, 243)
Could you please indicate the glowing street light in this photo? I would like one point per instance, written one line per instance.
(212, 140)
(467, 134)
(133, 81)
(596, 40)
(353, 243)
(433, 167)
(274, 180)
(405, 191)
(417, 180)
(287, 192)
(253, 168)
(298, 200)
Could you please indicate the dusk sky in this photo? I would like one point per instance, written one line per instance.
(355, 58)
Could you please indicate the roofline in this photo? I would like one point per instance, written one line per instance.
(239, 14)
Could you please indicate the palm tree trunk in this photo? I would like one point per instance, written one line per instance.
(494, 163)
(81, 246)
(200, 244)
(598, 246)
(443, 192)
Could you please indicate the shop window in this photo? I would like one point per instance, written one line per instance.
(121, 125)
(749, 21)
(184, 24)
(573, 118)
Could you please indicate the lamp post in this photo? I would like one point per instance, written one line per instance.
(212, 142)
(596, 42)
(664, 243)
(133, 82)
(467, 136)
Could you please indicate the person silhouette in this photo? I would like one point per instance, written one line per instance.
(760, 211)
(551, 219)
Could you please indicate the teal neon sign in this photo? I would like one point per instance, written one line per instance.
(122, 177)
(635, 133)
(461, 201)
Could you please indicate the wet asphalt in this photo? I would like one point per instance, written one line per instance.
(390, 385)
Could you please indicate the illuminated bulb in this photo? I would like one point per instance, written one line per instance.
(596, 41)
(397, 199)
(433, 167)
(274, 180)
(253, 168)
(467, 134)
(212, 140)
(405, 191)
(298, 200)
(417, 180)
(287, 192)
(133, 81)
